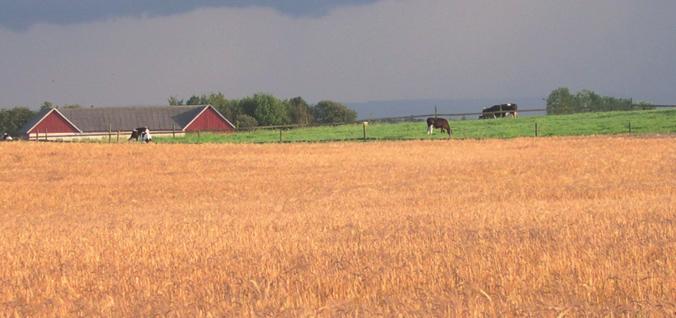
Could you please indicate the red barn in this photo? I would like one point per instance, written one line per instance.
(100, 122)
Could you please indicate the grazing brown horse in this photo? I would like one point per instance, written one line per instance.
(440, 123)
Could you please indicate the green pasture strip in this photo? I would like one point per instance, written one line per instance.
(642, 122)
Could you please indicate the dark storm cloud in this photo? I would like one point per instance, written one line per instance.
(20, 14)
(385, 50)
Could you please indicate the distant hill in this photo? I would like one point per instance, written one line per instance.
(397, 108)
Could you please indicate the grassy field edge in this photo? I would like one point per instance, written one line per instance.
(605, 123)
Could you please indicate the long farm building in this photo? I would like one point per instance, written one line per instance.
(101, 122)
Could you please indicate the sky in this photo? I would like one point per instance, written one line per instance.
(126, 52)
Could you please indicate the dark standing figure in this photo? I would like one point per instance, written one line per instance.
(502, 110)
(440, 123)
(142, 133)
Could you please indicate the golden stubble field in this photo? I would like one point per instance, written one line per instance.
(542, 227)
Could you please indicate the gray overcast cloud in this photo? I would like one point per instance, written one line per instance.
(390, 49)
(20, 14)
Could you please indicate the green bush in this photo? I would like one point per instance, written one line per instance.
(245, 121)
(328, 112)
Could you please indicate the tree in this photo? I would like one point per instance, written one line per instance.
(213, 99)
(333, 112)
(265, 108)
(586, 101)
(216, 99)
(174, 101)
(612, 103)
(197, 100)
(644, 105)
(46, 105)
(247, 105)
(11, 120)
(246, 121)
(230, 109)
(269, 110)
(300, 112)
(560, 101)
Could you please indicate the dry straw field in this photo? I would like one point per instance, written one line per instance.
(542, 227)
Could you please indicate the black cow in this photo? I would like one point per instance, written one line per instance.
(142, 133)
(440, 123)
(511, 110)
(501, 110)
(6, 137)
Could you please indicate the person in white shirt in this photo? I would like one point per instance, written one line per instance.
(145, 136)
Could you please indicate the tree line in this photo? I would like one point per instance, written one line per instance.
(562, 101)
(268, 110)
(252, 111)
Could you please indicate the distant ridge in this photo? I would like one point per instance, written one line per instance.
(396, 108)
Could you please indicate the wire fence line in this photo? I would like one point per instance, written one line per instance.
(424, 116)
(384, 119)
(553, 125)
(377, 129)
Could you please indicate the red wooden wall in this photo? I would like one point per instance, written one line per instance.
(209, 120)
(53, 123)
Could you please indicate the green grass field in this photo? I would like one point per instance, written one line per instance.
(642, 122)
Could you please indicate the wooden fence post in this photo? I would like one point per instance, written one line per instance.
(536, 129)
(110, 133)
(280, 135)
(117, 141)
(630, 126)
(173, 130)
(366, 124)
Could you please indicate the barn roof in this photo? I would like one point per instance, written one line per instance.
(101, 119)
(41, 115)
(98, 119)
(127, 118)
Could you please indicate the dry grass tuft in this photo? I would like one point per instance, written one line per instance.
(544, 227)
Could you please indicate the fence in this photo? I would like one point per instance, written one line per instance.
(111, 136)
(453, 115)
(540, 111)
(411, 128)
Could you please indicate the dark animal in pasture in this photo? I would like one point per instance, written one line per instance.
(511, 110)
(142, 133)
(501, 110)
(440, 123)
